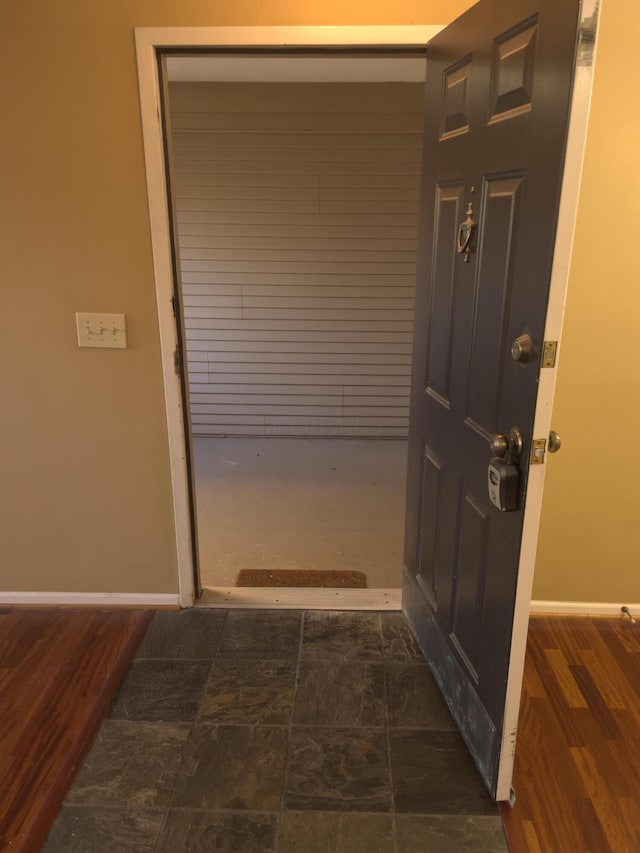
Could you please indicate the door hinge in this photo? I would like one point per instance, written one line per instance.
(538, 450)
(549, 353)
(176, 361)
(173, 305)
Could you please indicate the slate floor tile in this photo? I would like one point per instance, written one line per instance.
(444, 834)
(339, 694)
(433, 773)
(261, 634)
(347, 636)
(232, 767)
(88, 830)
(248, 691)
(191, 634)
(313, 832)
(414, 699)
(131, 765)
(398, 643)
(202, 832)
(168, 690)
(338, 770)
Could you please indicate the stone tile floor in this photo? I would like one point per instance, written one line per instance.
(253, 730)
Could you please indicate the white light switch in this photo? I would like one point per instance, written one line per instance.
(101, 330)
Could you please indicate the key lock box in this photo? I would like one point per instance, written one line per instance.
(503, 476)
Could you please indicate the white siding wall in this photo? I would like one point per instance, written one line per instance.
(297, 215)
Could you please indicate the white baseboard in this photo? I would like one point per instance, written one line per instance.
(583, 608)
(91, 599)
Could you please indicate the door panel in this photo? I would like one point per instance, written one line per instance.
(448, 214)
(497, 99)
(499, 218)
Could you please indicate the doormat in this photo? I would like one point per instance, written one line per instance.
(296, 578)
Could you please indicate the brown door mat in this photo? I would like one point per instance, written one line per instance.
(296, 578)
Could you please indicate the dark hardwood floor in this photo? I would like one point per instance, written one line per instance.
(577, 767)
(59, 671)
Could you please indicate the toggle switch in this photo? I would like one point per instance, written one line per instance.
(101, 330)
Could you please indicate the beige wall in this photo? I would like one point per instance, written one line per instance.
(85, 500)
(590, 536)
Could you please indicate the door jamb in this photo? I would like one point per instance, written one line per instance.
(150, 40)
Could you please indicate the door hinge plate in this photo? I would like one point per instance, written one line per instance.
(538, 449)
(176, 361)
(549, 352)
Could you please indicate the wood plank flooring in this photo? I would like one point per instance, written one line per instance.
(59, 670)
(577, 767)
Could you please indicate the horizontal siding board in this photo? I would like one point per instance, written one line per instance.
(324, 140)
(345, 255)
(347, 336)
(326, 291)
(286, 167)
(295, 231)
(285, 279)
(301, 122)
(297, 224)
(256, 388)
(312, 351)
(351, 422)
(228, 430)
(208, 178)
(345, 220)
(298, 376)
(249, 409)
(340, 242)
(355, 326)
(337, 432)
(337, 300)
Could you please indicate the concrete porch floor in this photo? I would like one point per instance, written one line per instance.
(281, 503)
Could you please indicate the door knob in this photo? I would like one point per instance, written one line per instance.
(501, 445)
(522, 348)
(555, 442)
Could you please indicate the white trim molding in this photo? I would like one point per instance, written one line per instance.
(90, 599)
(150, 40)
(298, 598)
(583, 608)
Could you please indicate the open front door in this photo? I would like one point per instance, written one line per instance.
(498, 93)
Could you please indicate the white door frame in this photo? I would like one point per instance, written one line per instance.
(148, 41)
(151, 39)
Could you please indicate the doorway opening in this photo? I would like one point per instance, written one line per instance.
(294, 181)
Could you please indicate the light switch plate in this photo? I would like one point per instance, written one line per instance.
(101, 330)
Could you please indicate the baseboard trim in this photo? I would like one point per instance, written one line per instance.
(91, 599)
(583, 608)
(308, 598)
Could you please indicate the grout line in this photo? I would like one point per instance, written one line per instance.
(290, 732)
(387, 730)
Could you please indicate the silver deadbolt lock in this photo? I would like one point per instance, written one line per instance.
(503, 476)
(522, 348)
